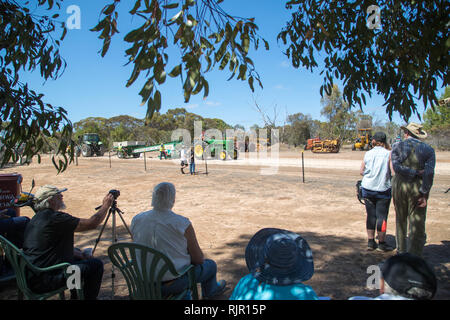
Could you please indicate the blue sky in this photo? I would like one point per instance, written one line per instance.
(92, 86)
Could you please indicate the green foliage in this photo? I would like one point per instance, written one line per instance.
(26, 45)
(341, 120)
(403, 61)
(298, 130)
(437, 122)
(158, 130)
(407, 57)
(438, 117)
(205, 35)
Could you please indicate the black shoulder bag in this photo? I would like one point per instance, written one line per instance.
(359, 192)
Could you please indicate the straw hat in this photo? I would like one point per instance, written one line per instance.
(46, 192)
(415, 129)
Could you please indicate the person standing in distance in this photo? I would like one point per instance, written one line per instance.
(183, 159)
(192, 161)
(162, 152)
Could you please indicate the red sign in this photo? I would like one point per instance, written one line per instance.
(9, 189)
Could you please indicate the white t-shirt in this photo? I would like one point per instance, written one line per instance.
(163, 231)
(377, 174)
(183, 155)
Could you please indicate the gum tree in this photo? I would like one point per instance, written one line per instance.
(207, 37)
(27, 121)
(404, 60)
(398, 49)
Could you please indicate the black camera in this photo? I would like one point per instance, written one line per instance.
(115, 193)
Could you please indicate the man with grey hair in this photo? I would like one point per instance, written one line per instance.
(49, 240)
(174, 236)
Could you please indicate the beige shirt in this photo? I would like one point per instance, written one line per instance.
(163, 231)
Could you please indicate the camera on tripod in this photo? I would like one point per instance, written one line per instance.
(115, 193)
(113, 211)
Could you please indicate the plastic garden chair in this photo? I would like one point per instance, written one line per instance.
(144, 276)
(22, 266)
(6, 276)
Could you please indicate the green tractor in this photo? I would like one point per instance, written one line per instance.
(89, 144)
(221, 149)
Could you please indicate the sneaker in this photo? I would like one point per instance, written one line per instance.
(371, 245)
(384, 247)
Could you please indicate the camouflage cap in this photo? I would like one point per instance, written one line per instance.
(46, 192)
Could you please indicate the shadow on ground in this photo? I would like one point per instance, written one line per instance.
(340, 264)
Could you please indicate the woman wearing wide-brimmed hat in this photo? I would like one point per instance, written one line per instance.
(413, 162)
(279, 262)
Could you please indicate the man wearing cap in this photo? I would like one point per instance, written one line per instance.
(279, 262)
(49, 240)
(405, 277)
(413, 162)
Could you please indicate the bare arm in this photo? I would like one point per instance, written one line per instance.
(391, 166)
(193, 247)
(363, 167)
(97, 218)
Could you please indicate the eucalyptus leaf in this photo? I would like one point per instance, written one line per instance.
(170, 6)
(157, 100)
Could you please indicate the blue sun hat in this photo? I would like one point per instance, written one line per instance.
(279, 257)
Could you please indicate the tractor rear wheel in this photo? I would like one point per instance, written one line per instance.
(198, 151)
(86, 150)
(101, 151)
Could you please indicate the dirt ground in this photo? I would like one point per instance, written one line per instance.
(235, 199)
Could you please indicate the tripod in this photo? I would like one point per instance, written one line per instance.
(112, 212)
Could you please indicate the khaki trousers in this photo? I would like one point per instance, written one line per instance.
(410, 220)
